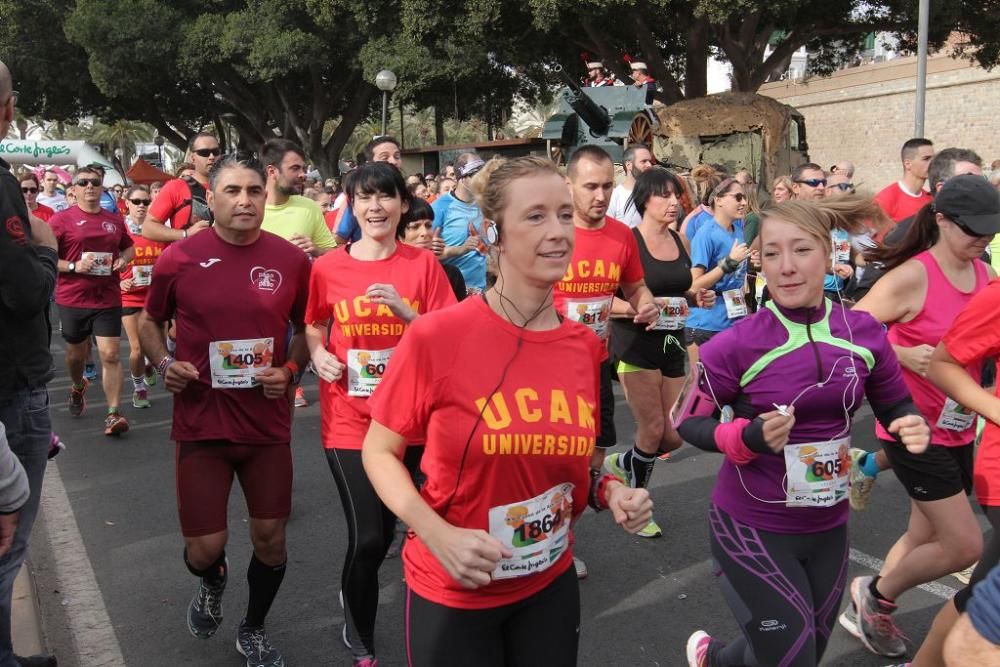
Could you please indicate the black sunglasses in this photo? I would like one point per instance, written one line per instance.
(206, 152)
(813, 182)
(83, 182)
(140, 202)
(29, 190)
(738, 196)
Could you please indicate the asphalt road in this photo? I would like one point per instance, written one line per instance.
(642, 600)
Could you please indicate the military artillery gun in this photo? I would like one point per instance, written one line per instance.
(736, 130)
(612, 117)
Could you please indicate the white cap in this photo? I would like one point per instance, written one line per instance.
(638, 65)
(595, 64)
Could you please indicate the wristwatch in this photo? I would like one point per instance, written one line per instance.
(72, 267)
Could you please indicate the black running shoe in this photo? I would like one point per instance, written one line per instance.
(253, 644)
(205, 611)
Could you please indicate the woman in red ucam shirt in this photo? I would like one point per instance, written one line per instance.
(135, 282)
(362, 299)
(504, 391)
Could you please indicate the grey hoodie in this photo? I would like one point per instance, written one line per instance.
(13, 482)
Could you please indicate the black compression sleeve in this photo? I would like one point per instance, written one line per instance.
(700, 432)
(886, 414)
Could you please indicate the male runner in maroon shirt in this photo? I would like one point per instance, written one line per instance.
(231, 377)
(94, 246)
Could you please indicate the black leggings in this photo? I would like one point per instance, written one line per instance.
(784, 590)
(989, 558)
(541, 630)
(370, 530)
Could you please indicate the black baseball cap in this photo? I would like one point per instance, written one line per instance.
(970, 201)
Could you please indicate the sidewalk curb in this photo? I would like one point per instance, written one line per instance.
(25, 617)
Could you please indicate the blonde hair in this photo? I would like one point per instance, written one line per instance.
(706, 179)
(785, 180)
(851, 214)
(489, 186)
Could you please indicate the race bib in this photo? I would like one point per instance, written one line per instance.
(817, 474)
(955, 417)
(365, 369)
(142, 276)
(592, 312)
(673, 313)
(102, 262)
(535, 530)
(841, 253)
(235, 363)
(736, 303)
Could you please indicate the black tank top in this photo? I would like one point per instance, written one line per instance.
(663, 278)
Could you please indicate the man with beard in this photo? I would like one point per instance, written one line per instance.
(288, 214)
(637, 159)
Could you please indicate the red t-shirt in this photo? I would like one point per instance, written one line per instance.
(173, 204)
(228, 300)
(102, 233)
(602, 260)
(899, 204)
(43, 212)
(140, 269)
(973, 337)
(537, 433)
(363, 335)
(330, 217)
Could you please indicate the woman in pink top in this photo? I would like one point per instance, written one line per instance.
(933, 273)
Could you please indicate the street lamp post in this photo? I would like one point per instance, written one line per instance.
(386, 82)
(158, 140)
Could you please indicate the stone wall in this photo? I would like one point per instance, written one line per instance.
(864, 114)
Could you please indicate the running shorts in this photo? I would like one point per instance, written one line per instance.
(940, 472)
(128, 311)
(204, 477)
(698, 336)
(78, 324)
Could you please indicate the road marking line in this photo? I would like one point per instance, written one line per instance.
(934, 588)
(90, 626)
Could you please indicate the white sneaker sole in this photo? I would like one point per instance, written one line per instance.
(692, 647)
(848, 624)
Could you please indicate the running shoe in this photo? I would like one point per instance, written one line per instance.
(56, 446)
(650, 530)
(849, 621)
(140, 399)
(78, 399)
(205, 611)
(581, 568)
(253, 644)
(115, 424)
(90, 372)
(965, 575)
(877, 630)
(366, 662)
(150, 375)
(697, 649)
(300, 398)
(612, 464)
(861, 484)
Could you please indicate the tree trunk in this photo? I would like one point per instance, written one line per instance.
(438, 127)
(361, 97)
(696, 60)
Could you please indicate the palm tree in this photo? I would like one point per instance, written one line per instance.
(528, 122)
(122, 135)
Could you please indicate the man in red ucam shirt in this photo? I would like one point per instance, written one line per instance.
(231, 378)
(94, 246)
(605, 258)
